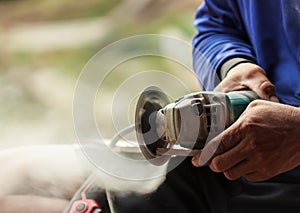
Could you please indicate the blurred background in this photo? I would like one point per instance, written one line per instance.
(45, 45)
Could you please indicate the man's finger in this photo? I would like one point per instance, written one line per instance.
(231, 158)
(195, 160)
(220, 144)
(255, 177)
(241, 169)
(264, 89)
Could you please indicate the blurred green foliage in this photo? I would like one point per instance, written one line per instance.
(37, 87)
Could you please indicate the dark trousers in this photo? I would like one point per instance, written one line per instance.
(188, 189)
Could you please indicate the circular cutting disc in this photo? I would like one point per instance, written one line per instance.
(150, 102)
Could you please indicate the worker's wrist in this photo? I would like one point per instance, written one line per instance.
(230, 64)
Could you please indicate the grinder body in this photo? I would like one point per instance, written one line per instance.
(187, 123)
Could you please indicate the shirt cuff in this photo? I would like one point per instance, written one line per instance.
(231, 63)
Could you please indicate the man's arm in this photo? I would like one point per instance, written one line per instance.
(264, 140)
(221, 37)
(223, 51)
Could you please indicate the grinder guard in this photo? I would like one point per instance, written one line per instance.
(150, 102)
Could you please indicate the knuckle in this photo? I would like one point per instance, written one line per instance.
(254, 103)
(195, 162)
(244, 128)
(217, 165)
(231, 175)
(250, 178)
(266, 85)
(253, 177)
(267, 89)
(247, 125)
(251, 122)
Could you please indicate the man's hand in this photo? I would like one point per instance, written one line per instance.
(248, 76)
(261, 144)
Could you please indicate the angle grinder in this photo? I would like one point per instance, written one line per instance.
(183, 127)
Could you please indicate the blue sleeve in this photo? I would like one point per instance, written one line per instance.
(221, 36)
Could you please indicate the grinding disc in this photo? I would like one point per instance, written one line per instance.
(150, 102)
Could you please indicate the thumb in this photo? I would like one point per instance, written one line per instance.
(265, 90)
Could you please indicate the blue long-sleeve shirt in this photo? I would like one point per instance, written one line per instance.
(264, 31)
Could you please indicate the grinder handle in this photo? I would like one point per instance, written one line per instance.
(238, 101)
